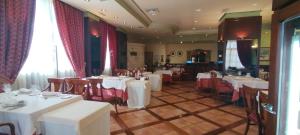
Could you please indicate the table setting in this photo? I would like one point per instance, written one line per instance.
(23, 107)
(238, 81)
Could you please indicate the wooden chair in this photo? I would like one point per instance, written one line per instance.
(166, 78)
(68, 85)
(55, 84)
(78, 87)
(11, 127)
(251, 107)
(96, 92)
(220, 88)
(262, 99)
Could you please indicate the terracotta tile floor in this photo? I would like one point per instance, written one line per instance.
(179, 109)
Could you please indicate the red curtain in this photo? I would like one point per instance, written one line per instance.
(70, 24)
(16, 28)
(103, 31)
(112, 40)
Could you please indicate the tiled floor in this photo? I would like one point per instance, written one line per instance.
(181, 110)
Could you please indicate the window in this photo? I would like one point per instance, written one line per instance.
(47, 57)
(232, 58)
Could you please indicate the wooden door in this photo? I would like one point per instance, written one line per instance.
(284, 27)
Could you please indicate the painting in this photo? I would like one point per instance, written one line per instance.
(179, 53)
(264, 53)
(173, 53)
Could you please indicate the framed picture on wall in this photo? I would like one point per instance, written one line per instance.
(179, 53)
(264, 53)
(173, 53)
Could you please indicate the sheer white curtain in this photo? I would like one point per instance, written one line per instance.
(107, 67)
(232, 58)
(47, 57)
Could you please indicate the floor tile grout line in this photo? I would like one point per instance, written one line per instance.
(187, 113)
(121, 123)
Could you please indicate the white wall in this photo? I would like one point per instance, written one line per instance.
(166, 49)
(135, 61)
(158, 50)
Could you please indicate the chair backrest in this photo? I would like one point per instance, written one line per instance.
(68, 85)
(76, 86)
(262, 99)
(55, 84)
(250, 102)
(94, 82)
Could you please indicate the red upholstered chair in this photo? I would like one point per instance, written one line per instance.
(176, 76)
(55, 84)
(251, 108)
(166, 78)
(78, 87)
(11, 128)
(221, 88)
(101, 94)
(96, 92)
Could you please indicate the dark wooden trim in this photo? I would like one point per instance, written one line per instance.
(275, 52)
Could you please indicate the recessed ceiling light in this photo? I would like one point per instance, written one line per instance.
(198, 10)
(196, 21)
(254, 4)
(181, 42)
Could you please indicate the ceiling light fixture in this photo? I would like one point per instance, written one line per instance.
(198, 10)
(153, 11)
(196, 21)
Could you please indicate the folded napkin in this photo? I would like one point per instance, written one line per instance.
(25, 91)
(49, 94)
(12, 102)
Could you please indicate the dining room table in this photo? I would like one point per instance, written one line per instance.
(237, 83)
(137, 93)
(204, 81)
(78, 118)
(155, 79)
(25, 116)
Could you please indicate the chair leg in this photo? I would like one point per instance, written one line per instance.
(116, 101)
(247, 127)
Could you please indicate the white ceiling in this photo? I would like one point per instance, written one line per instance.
(174, 17)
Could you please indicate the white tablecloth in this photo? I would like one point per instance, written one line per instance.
(139, 94)
(206, 75)
(146, 73)
(119, 83)
(25, 118)
(168, 72)
(156, 81)
(238, 82)
(79, 118)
